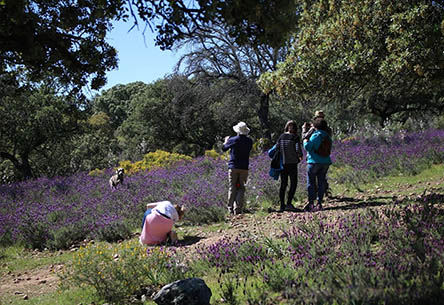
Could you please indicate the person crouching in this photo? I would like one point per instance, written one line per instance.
(158, 222)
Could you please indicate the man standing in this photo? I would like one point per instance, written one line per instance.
(240, 147)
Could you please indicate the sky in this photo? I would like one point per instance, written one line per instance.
(139, 60)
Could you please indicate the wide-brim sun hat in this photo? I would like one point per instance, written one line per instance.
(319, 114)
(241, 128)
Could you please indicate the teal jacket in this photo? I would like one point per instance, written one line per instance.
(313, 144)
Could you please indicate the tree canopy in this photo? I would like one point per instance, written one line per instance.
(30, 118)
(269, 21)
(387, 55)
(62, 38)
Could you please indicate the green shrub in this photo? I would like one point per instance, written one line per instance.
(205, 214)
(112, 232)
(120, 272)
(66, 236)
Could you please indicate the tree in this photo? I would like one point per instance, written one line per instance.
(65, 39)
(269, 21)
(214, 55)
(31, 118)
(116, 102)
(172, 114)
(385, 56)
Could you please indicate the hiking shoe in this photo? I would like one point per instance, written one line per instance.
(308, 207)
(281, 209)
(290, 208)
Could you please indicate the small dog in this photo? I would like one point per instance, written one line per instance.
(116, 178)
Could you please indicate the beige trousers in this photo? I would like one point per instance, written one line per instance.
(236, 192)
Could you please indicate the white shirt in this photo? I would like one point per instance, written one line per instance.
(168, 209)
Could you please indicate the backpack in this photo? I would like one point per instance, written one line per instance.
(324, 150)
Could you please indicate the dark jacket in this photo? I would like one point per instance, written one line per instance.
(240, 151)
(290, 147)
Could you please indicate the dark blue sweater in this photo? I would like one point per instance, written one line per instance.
(240, 151)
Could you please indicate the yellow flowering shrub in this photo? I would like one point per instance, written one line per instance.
(161, 158)
(151, 160)
(119, 271)
(97, 172)
(212, 154)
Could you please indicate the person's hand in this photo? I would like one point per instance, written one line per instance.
(173, 237)
(305, 127)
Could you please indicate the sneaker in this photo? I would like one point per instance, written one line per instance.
(308, 207)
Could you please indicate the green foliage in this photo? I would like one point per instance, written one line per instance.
(205, 215)
(64, 41)
(120, 271)
(261, 145)
(33, 120)
(65, 237)
(379, 58)
(113, 232)
(249, 21)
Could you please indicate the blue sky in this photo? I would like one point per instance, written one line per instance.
(139, 60)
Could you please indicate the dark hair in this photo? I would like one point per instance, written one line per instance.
(291, 127)
(320, 124)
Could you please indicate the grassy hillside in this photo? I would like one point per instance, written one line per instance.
(378, 241)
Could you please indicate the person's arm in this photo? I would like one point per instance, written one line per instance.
(151, 205)
(299, 150)
(313, 143)
(229, 142)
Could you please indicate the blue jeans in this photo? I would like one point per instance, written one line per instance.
(316, 174)
(147, 212)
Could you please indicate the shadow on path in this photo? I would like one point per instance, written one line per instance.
(189, 240)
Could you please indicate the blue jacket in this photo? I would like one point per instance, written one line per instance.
(313, 144)
(240, 151)
(275, 171)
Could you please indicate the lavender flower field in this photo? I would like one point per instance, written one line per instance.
(55, 213)
(388, 256)
(401, 153)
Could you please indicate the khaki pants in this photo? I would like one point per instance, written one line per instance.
(236, 192)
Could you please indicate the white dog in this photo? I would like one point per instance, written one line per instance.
(116, 178)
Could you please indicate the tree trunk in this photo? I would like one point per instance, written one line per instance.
(23, 167)
(263, 116)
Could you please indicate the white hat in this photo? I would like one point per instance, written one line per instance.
(241, 128)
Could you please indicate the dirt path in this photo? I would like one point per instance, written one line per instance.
(30, 283)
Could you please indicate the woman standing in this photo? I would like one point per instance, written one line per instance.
(289, 145)
(318, 148)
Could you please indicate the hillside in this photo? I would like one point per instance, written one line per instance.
(32, 275)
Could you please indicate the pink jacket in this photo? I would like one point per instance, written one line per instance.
(155, 229)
